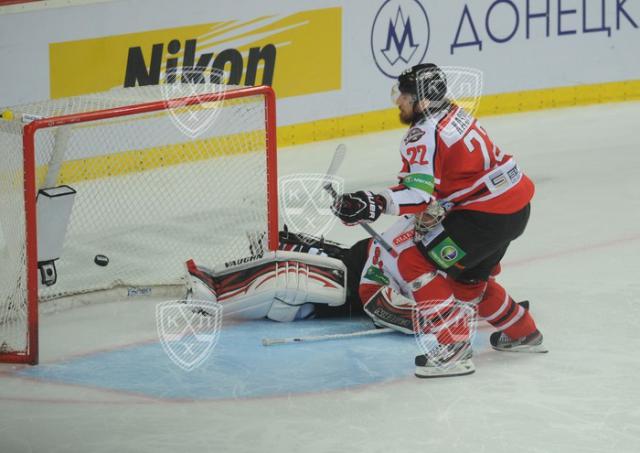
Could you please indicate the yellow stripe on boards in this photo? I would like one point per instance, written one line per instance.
(138, 161)
(345, 126)
(494, 104)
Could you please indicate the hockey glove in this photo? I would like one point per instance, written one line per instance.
(358, 207)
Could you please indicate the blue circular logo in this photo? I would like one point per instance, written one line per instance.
(399, 36)
(448, 253)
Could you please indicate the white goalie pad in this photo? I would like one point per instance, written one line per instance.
(281, 286)
(389, 308)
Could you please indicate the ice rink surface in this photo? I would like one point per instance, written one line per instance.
(105, 385)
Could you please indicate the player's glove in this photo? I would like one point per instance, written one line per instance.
(358, 207)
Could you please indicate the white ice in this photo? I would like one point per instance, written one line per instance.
(577, 263)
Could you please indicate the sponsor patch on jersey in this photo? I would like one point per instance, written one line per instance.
(404, 237)
(446, 253)
(419, 181)
(377, 275)
(414, 134)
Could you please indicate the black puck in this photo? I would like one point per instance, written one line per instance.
(101, 260)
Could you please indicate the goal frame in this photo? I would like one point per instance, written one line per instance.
(31, 354)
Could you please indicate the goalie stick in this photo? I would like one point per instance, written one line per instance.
(336, 336)
(361, 333)
(338, 157)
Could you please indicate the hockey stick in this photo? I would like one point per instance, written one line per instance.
(337, 336)
(338, 157)
(336, 161)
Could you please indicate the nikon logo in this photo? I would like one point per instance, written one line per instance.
(206, 67)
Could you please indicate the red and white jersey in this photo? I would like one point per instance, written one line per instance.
(450, 158)
(381, 268)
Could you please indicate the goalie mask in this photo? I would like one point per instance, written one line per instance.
(428, 220)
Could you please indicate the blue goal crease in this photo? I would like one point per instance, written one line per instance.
(241, 367)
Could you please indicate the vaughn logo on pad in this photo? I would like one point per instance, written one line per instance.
(188, 331)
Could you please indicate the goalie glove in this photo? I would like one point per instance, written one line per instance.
(358, 207)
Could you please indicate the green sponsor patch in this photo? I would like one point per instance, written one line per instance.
(419, 181)
(375, 273)
(446, 253)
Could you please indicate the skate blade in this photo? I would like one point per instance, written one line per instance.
(537, 349)
(464, 368)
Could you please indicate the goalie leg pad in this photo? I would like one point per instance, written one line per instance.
(200, 288)
(391, 309)
(281, 285)
(448, 320)
(282, 312)
(199, 282)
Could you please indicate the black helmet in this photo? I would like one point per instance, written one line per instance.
(424, 81)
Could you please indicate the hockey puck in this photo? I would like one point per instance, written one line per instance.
(101, 260)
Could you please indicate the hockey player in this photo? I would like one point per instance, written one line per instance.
(461, 201)
(308, 277)
(450, 167)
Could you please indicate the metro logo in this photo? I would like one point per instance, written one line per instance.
(398, 51)
(297, 54)
(400, 36)
(140, 72)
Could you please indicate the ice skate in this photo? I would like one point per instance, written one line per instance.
(500, 341)
(452, 360)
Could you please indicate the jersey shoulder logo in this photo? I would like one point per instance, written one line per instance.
(414, 134)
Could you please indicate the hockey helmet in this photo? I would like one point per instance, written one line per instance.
(424, 81)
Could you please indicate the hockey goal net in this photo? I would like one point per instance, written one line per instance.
(157, 180)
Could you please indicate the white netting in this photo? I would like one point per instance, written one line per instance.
(12, 238)
(153, 190)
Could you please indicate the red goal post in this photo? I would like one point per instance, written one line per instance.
(138, 114)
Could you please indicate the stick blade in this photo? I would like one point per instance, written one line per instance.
(338, 158)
